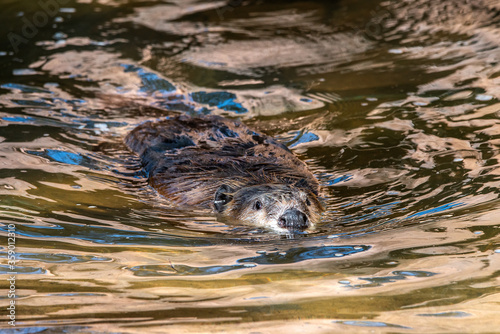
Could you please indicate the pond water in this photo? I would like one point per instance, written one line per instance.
(394, 105)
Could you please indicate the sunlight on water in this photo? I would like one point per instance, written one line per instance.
(393, 105)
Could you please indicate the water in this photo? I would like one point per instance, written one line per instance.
(394, 105)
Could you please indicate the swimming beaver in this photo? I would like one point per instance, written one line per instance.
(217, 163)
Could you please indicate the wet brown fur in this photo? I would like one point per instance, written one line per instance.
(189, 159)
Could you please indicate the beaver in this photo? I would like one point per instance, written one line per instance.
(216, 163)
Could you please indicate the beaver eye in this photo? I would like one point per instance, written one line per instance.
(257, 205)
(308, 202)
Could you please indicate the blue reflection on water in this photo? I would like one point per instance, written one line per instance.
(18, 119)
(5, 269)
(306, 138)
(305, 253)
(56, 258)
(32, 330)
(65, 157)
(25, 88)
(71, 158)
(452, 314)
(437, 209)
(378, 212)
(62, 156)
(108, 236)
(32, 103)
(338, 179)
(368, 323)
(222, 100)
(376, 281)
(75, 294)
(414, 273)
(151, 82)
(291, 256)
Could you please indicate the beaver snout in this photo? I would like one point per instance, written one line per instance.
(293, 220)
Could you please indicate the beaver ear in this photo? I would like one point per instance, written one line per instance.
(223, 195)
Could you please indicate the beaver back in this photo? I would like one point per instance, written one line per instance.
(187, 158)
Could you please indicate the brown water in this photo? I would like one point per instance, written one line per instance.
(393, 104)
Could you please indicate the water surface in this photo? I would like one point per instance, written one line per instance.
(394, 105)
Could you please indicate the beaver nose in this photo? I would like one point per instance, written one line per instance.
(293, 220)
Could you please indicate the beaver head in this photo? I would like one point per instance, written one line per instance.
(278, 206)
